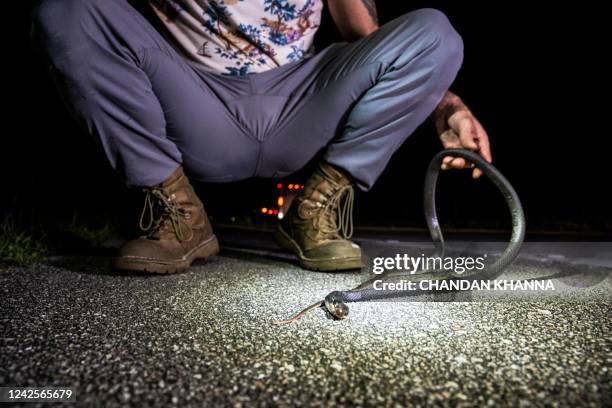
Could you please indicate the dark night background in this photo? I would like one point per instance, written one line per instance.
(524, 76)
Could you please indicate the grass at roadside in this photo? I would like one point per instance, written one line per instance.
(19, 244)
(24, 242)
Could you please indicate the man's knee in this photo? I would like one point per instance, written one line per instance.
(50, 16)
(62, 30)
(438, 35)
(46, 17)
(63, 20)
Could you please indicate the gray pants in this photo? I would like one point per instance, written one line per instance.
(152, 110)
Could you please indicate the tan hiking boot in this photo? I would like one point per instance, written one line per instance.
(178, 230)
(319, 223)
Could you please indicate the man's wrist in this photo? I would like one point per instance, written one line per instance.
(448, 106)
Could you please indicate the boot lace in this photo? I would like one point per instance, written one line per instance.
(340, 204)
(161, 210)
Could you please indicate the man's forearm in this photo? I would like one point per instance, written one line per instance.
(354, 18)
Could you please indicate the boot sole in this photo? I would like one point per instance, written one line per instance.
(204, 250)
(326, 265)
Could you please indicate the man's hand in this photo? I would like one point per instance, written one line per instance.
(458, 128)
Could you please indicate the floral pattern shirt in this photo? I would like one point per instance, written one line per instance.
(240, 37)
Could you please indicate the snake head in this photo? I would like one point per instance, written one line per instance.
(336, 307)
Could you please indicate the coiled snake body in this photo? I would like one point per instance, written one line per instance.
(335, 302)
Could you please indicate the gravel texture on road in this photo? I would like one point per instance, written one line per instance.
(206, 338)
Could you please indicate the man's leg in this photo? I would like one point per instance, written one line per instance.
(96, 54)
(134, 94)
(364, 98)
(421, 54)
(122, 80)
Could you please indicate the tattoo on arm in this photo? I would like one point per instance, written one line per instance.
(371, 7)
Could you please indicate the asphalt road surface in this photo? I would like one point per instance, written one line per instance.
(206, 338)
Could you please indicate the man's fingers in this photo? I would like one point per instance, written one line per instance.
(465, 131)
(450, 139)
(468, 134)
(458, 163)
(450, 162)
(446, 162)
(483, 142)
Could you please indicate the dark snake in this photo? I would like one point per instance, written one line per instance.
(335, 302)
